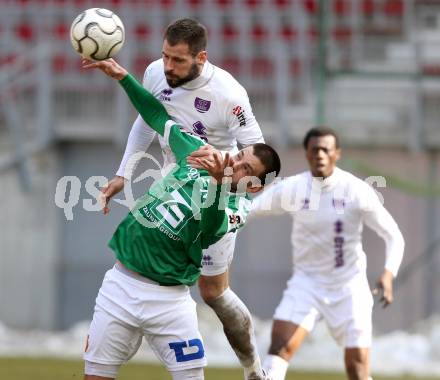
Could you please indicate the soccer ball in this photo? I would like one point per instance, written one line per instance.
(97, 34)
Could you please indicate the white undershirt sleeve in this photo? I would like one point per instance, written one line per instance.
(139, 139)
(380, 220)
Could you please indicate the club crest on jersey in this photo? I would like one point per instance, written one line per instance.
(165, 94)
(202, 105)
(338, 204)
(200, 130)
(239, 112)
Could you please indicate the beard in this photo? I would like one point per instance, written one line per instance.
(174, 81)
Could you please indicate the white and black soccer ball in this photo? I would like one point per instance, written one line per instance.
(97, 34)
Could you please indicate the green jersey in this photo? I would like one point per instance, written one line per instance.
(163, 236)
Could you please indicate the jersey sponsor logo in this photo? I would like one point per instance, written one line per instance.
(200, 130)
(165, 95)
(158, 224)
(202, 105)
(234, 219)
(171, 215)
(193, 173)
(181, 356)
(239, 112)
(339, 244)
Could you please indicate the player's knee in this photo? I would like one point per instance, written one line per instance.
(188, 374)
(96, 370)
(210, 289)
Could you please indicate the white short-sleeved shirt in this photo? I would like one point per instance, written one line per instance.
(328, 218)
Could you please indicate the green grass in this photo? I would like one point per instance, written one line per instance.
(54, 369)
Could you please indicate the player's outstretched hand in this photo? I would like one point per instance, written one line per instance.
(109, 66)
(206, 152)
(384, 288)
(217, 167)
(113, 187)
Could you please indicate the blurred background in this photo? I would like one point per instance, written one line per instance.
(368, 68)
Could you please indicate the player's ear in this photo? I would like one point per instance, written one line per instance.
(338, 154)
(201, 57)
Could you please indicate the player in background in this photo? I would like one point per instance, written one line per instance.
(329, 207)
(158, 246)
(211, 104)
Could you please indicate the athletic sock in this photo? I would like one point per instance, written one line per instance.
(238, 328)
(276, 367)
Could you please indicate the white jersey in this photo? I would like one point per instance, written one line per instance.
(328, 217)
(213, 106)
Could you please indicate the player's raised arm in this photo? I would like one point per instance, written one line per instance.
(151, 110)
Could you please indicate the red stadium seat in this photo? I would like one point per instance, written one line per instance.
(59, 3)
(394, 8)
(282, 3)
(313, 33)
(311, 6)
(231, 64)
(140, 63)
(8, 59)
(224, 3)
(252, 3)
(368, 7)
(295, 67)
(229, 32)
(261, 67)
(432, 70)
(60, 63)
(80, 4)
(142, 31)
(259, 32)
(341, 7)
(61, 31)
(25, 32)
(166, 3)
(342, 33)
(194, 3)
(288, 33)
(116, 3)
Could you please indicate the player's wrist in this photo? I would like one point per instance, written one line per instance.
(121, 75)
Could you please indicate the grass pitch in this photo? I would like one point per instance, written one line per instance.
(55, 369)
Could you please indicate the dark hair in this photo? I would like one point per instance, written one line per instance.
(188, 31)
(269, 158)
(320, 132)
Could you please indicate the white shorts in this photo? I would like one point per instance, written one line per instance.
(128, 309)
(217, 257)
(347, 310)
